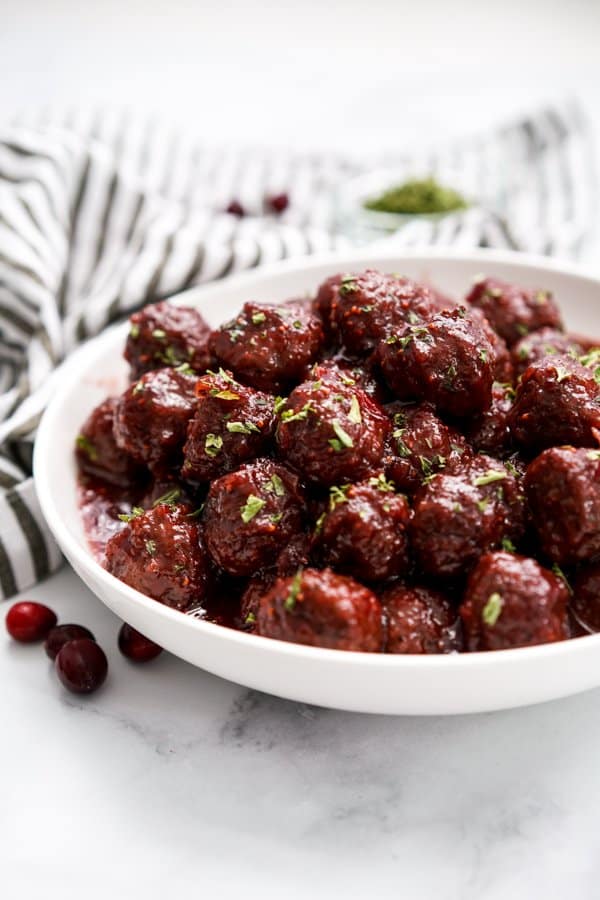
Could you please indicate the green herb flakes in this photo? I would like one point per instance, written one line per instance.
(294, 591)
(150, 547)
(242, 427)
(489, 477)
(342, 438)
(134, 331)
(86, 446)
(213, 444)
(275, 486)
(159, 334)
(258, 318)
(508, 546)
(289, 415)
(170, 497)
(560, 574)
(135, 512)
(492, 609)
(251, 508)
(355, 414)
(382, 484)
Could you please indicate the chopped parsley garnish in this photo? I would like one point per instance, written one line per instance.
(251, 508)
(511, 468)
(342, 438)
(242, 427)
(294, 591)
(87, 447)
(250, 619)
(382, 484)
(275, 486)
(170, 497)
(355, 414)
(135, 512)
(492, 609)
(457, 507)
(159, 334)
(401, 449)
(319, 524)
(560, 574)
(134, 331)
(213, 444)
(482, 505)
(279, 404)
(337, 495)
(196, 513)
(561, 374)
(507, 545)
(347, 285)
(185, 369)
(483, 355)
(289, 415)
(489, 478)
(224, 395)
(522, 329)
(150, 547)
(297, 324)
(593, 455)
(258, 318)
(138, 387)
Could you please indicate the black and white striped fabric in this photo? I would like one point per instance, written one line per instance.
(102, 213)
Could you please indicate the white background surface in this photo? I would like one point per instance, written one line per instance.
(171, 781)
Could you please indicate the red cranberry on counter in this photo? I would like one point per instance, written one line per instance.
(136, 646)
(28, 621)
(62, 634)
(278, 203)
(235, 208)
(81, 666)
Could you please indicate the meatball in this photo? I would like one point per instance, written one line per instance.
(545, 342)
(420, 620)
(489, 432)
(251, 515)
(331, 432)
(585, 603)
(160, 553)
(458, 517)
(502, 363)
(447, 361)
(97, 452)
(152, 416)
(365, 531)
(563, 490)
(232, 424)
(511, 601)
(370, 306)
(269, 347)
(291, 558)
(421, 445)
(324, 305)
(557, 402)
(514, 311)
(350, 373)
(321, 609)
(166, 335)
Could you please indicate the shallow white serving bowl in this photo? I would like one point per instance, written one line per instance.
(354, 681)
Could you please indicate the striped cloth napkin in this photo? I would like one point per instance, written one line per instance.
(101, 214)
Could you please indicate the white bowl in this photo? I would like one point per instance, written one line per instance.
(353, 681)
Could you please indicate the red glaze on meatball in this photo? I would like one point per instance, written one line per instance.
(545, 342)
(166, 335)
(296, 555)
(459, 517)
(420, 620)
(514, 312)
(447, 361)
(251, 515)
(511, 601)
(585, 602)
(152, 416)
(324, 304)
(563, 490)
(557, 402)
(331, 432)
(97, 452)
(421, 445)
(369, 307)
(269, 347)
(350, 373)
(232, 424)
(322, 609)
(502, 362)
(489, 432)
(160, 553)
(365, 531)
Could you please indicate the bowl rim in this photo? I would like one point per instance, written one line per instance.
(83, 360)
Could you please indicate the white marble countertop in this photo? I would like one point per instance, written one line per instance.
(170, 782)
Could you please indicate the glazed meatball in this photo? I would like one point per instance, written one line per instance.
(152, 416)
(97, 452)
(421, 445)
(563, 490)
(514, 311)
(420, 620)
(511, 601)
(269, 347)
(502, 363)
(585, 603)
(251, 515)
(324, 305)
(296, 555)
(232, 424)
(160, 553)
(166, 335)
(331, 432)
(447, 361)
(557, 402)
(365, 531)
(321, 609)
(545, 342)
(369, 307)
(489, 432)
(459, 517)
(351, 373)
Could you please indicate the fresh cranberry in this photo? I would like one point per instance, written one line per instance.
(235, 208)
(28, 621)
(278, 202)
(135, 646)
(81, 666)
(62, 634)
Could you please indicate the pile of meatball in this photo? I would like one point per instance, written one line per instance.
(377, 468)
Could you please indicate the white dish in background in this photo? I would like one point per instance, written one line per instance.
(374, 683)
